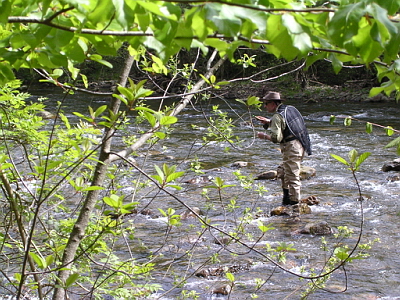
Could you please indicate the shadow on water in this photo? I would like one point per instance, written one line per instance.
(375, 278)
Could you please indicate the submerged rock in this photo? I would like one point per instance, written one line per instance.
(191, 213)
(310, 200)
(239, 164)
(393, 178)
(282, 211)
(301, 208)
(317, 228)
(267, 175)
(291, 210)
(222, 290)
(199, 180)
(392, 166)
(221, 270)
(226, 240)
(46, 115)
(307, 172)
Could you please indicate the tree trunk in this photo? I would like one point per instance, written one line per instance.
(81, 223)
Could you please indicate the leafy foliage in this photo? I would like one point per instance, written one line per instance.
(55, 37)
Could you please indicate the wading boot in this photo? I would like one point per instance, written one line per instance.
(286, 197)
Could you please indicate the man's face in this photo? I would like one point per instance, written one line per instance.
(270, 106)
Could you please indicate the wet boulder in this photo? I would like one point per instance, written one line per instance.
(46, 115)
(301, 208)
(291, 210)
(310, 200)
(221, 270)
(307, 172)
(240, 164)
(199, 180)
(282, 211)
(226, 240)
(393, 177)
(392, 166)
(222, 290)
(269, 175)
(317, 228)
(191, 213)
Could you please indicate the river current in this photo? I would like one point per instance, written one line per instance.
(376, 277)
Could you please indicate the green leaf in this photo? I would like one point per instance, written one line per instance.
(159, 179)
(160, 135)
(93, 188)
(177, 187)
(253, 100)
(394, 143)
(130, 206)
(71, 279)
(168, 120)
(337, 64)
(230, 277)
(219, 83)
(353, 155)
(340, 159)
(159, 172)
(126, 92)
(341, 253)
(205, 79)
(6, 73)
(113, 200)
(344, 24)
(301, 40)
(122, 99)
(174, 176)
(223, 19)
(49, 260)
(41, 262)
(281, 41)
(199, 25)
(150, 118)
(361, 159)
(123, 13)
(347, 121)
(368, 127)
(99, 59)
(100, 110)
(389, 130)
(264, 228)
(332, 119)
(5, 11)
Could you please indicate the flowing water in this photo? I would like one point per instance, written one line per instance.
(374, 278)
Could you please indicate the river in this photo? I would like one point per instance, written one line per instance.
(374, 278)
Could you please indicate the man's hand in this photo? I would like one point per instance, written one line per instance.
(263, 135)
(263, 120)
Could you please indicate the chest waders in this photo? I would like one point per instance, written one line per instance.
(295, 129)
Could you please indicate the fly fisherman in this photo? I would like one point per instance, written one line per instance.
(287, 128)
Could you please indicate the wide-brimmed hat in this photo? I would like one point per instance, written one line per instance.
(272, 96)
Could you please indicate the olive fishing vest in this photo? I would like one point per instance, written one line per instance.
(295, 126)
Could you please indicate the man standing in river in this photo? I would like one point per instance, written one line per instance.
(287, 128)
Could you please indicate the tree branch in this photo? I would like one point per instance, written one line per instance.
(183, 103)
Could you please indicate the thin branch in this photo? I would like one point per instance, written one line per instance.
(182, 104)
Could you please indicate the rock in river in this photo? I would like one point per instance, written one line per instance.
(317, 228)
(392, 166)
